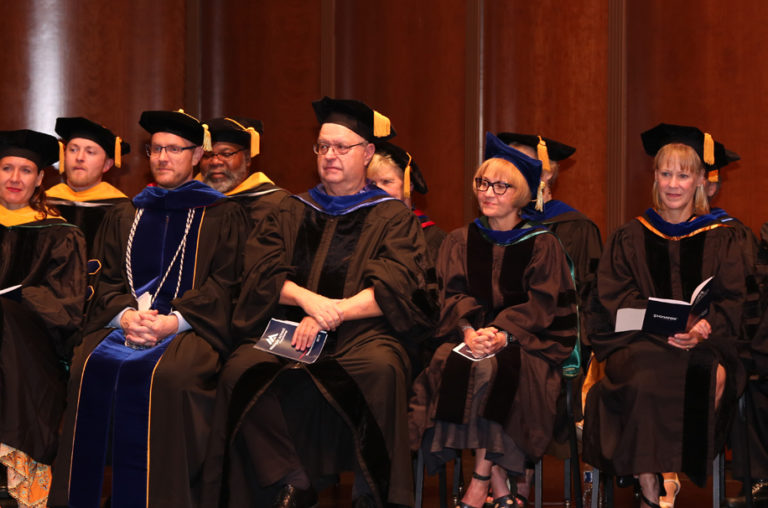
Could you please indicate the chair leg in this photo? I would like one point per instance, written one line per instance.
(744, 404)
(537, 474)
(458, 480)
(595, 487)
(718, 479)
(567, 482)
(574, 459)
(418, 475)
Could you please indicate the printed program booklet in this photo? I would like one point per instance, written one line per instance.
(466, 352)
(276, 339)
(666, 316)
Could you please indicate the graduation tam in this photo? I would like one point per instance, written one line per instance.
(411, 172)
(42, 149)
(78, 127)
(178, 123)
(239, 131)
(530, 168)
(355, 116)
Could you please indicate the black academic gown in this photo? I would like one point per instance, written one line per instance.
(157, 440)
(347, 410)
(654, 409)
(37, 321)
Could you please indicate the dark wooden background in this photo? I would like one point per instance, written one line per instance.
(593, 74)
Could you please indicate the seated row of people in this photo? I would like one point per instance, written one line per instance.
(166, 384)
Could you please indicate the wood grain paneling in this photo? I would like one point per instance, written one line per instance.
(406, 59)
(261, 59)
(698, 63)
(546, 73)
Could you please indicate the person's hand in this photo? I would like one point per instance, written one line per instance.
(305, 333)
(325, 311)
(162, 326)
(698, 332)
(136, 327)
(480, 341)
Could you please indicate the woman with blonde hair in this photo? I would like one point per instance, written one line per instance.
(667, 394)
(508, 320)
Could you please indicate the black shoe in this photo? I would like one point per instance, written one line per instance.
(759, 497)
(292, 497)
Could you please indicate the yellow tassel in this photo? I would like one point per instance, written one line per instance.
(543, 155)
(381, 125)
(540, 196)
(709, 149)
(207, 146)
(713, 176)
(61, 157)
(407, 178)
(118, 152)
(255, 141)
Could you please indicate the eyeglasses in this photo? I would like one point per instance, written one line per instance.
(499, 188)
(322, 148)
(174, 150)
(225, 156)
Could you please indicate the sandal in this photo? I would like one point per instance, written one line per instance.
(476, 476)
(665, 503)
(510, 500)
(662, 492)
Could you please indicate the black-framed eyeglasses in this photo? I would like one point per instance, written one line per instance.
(338, 149)
(225, 156)
(156, 150)
(499, 188)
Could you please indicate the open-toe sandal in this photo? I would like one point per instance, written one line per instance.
(476, 476)
(510, 501)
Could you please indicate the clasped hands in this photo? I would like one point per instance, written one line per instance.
(322, 314)
(485, 341)
(146, 328)
(695, 334)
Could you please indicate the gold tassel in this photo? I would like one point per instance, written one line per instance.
(61, 157)
(709, 149)
(207, 146)
(543, 155)
(407, 178)
(540, 196)
(713, 176)
(381, 125)
(255, 141)
(118, 152)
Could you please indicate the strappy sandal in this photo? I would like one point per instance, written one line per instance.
(662, 492)
(476, 476)
(510, 501)
(676, 484)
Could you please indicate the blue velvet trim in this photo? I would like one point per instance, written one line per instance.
(552, 208)
(156, 239)
(115, 391)
(681, 229)
(518, 234)
(318, 199)
(192, 194)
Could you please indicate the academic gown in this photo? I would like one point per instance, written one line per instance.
(654, 409)
(347, 410)
(518, 281)
(258, 194)
(47, 257)
(163, 396)
(85, 209)
(581, 239)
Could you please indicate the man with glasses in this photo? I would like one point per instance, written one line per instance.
(142, 384)
(225, 168)
(347, 258)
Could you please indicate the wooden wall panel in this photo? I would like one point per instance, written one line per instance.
(406, 59)
(698, 63)
(546, 73)
(261, 59)
(107, 61)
